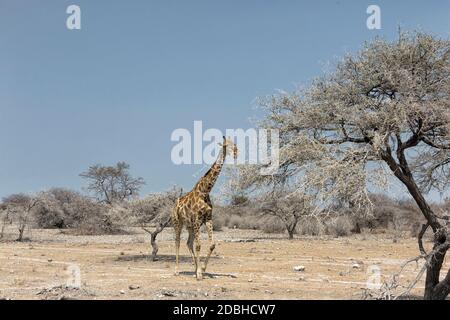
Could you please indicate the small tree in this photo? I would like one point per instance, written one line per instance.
(112, 183)
(289, 209)
(154, 209)
(20, 209)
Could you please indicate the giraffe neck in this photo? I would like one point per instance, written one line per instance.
(206, 183)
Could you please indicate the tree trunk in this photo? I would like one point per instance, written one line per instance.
(291, 230)
(434, 289)
(160, 227)
(155, 247)
(291, 234)
(2, 232)
(442, 289)
(21, 230)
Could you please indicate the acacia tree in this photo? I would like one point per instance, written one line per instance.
(388, 104)
(112, 183)
(20, 209)
(288, 208)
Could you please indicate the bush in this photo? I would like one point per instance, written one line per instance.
(248, 222)
(64, 208)
(272, 225)
(235, 222)
(340, 226)
(218, 224)
(311, 227)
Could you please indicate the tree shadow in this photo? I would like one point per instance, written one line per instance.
(208, 274)
(159, 258)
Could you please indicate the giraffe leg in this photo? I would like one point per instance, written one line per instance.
(212, 244)
(197, 252)
(177, 246)
(190, 245)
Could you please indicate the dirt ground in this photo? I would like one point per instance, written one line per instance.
(246, 265)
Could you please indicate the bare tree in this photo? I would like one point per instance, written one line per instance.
(387, 105)
(20, 209)
(289, 209)
(4, 218)
(154, 209)
(112, 183)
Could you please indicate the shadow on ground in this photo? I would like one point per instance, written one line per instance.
(159, 258)
(208, 275)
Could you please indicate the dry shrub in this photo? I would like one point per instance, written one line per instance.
(272, 225)
(218, 224)
(235, 222)
(311, 226)
(340, 226)
(243, 222)
(98, 219)
(62, 208)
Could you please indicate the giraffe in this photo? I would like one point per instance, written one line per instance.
(195, 209)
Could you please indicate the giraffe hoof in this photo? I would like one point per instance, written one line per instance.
(176, 273)
(199, 276)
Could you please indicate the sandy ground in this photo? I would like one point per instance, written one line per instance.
(118, 267)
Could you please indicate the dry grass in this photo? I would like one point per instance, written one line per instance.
(261, 269)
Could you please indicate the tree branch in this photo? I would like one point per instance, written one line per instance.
(420, 236)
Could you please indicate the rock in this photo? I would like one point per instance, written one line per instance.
(50, 260)
(168, 294)
(250, 280)
(223, 289)
(122, 292)
(356, 266)
(133, 287)
(301, 278)
(299, 268)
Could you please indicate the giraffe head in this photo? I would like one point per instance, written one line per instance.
(229, 147)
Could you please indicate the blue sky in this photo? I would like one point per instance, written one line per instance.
(116, 89)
